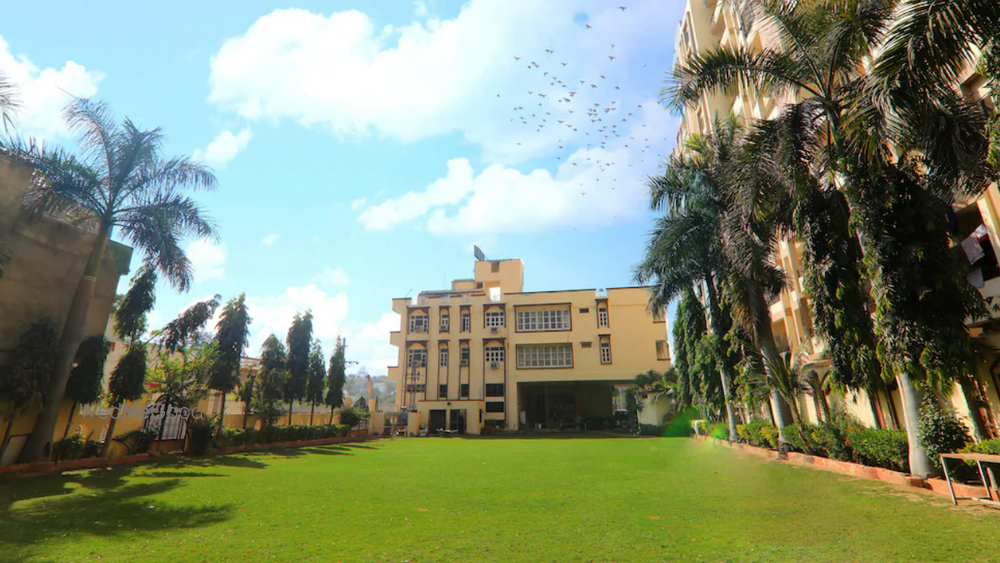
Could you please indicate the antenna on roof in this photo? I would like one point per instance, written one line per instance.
(479, 253)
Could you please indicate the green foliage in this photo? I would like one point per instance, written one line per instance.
(231, 336)
(651, 430)
(939, 430)
(298, 342)
(25, 378)
(85, 381)
(184, 331)
(680, 425)
(233, 437)
(758, 433)
(689, 326)
(316, 375)
(200, 433)
(129, 376)
(269, 384)
(130, 315)
(991, 447)
(352, 416)
(139, 440)
(719, 431)
(183, 376)
(881, 448)
(336, 376)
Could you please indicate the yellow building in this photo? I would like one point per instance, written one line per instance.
(709, 24)
(485, 353)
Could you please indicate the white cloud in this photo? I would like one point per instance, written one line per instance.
(270, 239)
(273, 314)
(358, 203)
(208, 259)
(224, 148)
(43, 92)
(593, 187)
(369, 346)
(427, 78)
(331, 277)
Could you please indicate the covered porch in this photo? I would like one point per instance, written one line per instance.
(563, 405)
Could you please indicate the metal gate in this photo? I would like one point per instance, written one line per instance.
(174, 425)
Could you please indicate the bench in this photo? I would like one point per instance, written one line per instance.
(989, 460)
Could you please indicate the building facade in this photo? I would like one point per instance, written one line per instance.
(485, 353)
(710, 24)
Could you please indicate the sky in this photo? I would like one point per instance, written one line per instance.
(362, 148)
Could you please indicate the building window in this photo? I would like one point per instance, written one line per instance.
(466, 321)
(416, 388)
(586, 344)
(605, 351)
(584, 310)
(443, 390)
(494, 389)
(662, 352)
(465, 355)
(464, 390)
(495, 319)
(545, 356)
(494, 354)
(602, 317)
(417, 358)
(541, 320)
(494, 406)
(418, 323)
(443, 354)
(495, 267)
(445, 322)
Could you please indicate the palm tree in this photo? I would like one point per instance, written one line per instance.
(120, 181)
(685, 247)
(8, 106)
(901, 125)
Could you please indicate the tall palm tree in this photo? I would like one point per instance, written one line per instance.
(848, 126)
(9, 104)
(687, 245)
(120, 181)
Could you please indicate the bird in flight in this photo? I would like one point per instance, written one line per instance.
(517, 58)
(549, 51)
(623, 8)
(564, 64)
(588, 26)
(612, 45)
(612, 58)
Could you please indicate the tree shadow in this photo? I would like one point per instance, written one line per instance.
(327, 450)
(180, 474)
(212, 461)
(105, 513)
(360, 447)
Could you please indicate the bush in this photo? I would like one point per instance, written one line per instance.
(139, 440)
(881, 448)
(759, 433)
(71, 447)
(830, 436)
(650, 430)
(985, 447)
(719, 431)
(939, 430)
(200, 432)
(701, 427)
(680, 426)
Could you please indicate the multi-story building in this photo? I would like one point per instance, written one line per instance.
(487, 353)
(709, 24)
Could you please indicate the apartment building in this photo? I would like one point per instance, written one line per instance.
(485, 353)
(709, 24)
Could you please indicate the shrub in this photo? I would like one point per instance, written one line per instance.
(71, 447)
(139, 440)
(680, 426)
(831, 435)
(939, 430)
(593, 422)
(881, 448)
(200, 432)
(650, 430)
(759, 433)
(701, 427)
(985, 447)
(719, 431)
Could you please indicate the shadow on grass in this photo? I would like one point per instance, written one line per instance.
(327, 450)
(128, 510)
(595, 435)
(360, 447)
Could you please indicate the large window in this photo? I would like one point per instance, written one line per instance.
(443, 390)
(545, 356)
(495, 319)
(445, 321)
(466, 321)
(417, 358)
(443, 354)
(494, 406)
(465, 355)
(418, 323)
(464, 390)
(662, 351)
(605, 351)
(494, 389)
(602, 316)
(544, 319)
(494, 354)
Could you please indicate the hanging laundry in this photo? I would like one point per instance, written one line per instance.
(973, 250)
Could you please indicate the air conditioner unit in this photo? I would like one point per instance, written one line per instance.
(465, 362)
(494, 365)
(494, 329)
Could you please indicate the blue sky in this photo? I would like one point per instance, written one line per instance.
(362, 148)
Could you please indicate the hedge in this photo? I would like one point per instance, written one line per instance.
(882, 448)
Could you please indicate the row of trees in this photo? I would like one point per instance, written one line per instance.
(862, 166)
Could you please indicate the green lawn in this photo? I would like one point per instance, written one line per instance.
(538, 499)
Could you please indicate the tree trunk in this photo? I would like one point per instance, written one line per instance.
(920, 463)
(312, 410)
(222, 414)
(782, 413)
(290, 405)
(72, 335)
(163, 419)
(106, 448)
(69, 422)
(331, 416)
(716, 313)
(968, 384)
(6, 433)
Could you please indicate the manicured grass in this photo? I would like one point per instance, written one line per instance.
(541, 499)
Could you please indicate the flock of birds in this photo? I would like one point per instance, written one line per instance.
(553, 103)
